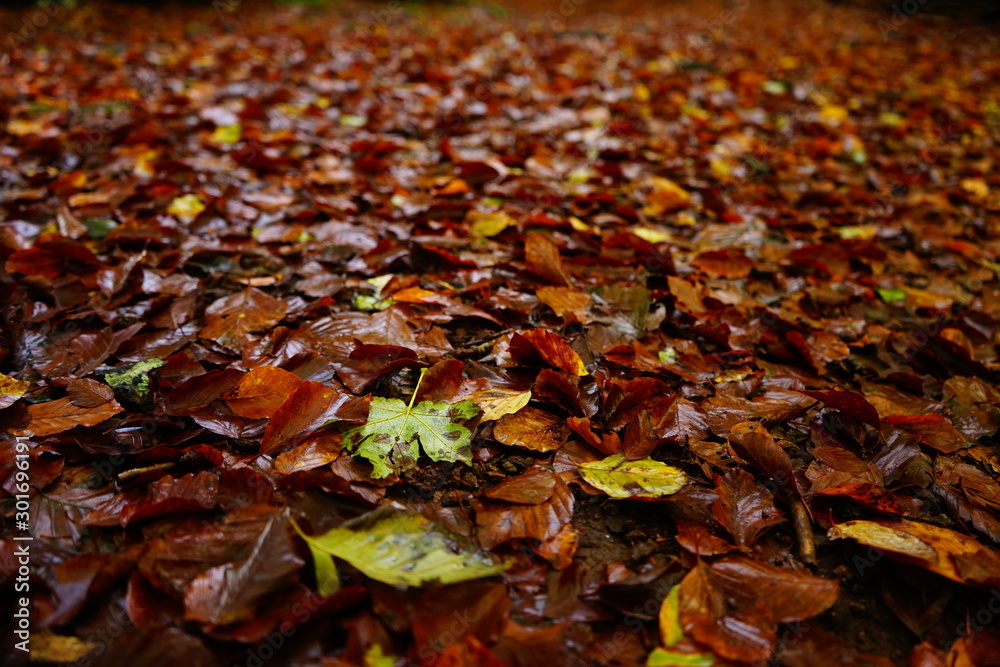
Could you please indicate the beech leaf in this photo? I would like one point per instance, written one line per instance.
(402, 548)
(645, 478)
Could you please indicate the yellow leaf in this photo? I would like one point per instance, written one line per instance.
(652, 235)
(227, 134)
(186, 206)
(862, 232)
(833, 114)
(884, 537)
(20, 127)
(489, 224)
(11, 389)
(976, 187)
(496, 403)
(645, 478)
(580, 226)
(671, 631)
(665, 196)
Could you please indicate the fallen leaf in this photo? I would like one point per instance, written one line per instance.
(61, 415)
(11, 389)
(950, 554)
(497, 403)
(405, 549)
(621, 478)
(550, 347)
(390, 437)
(532, 429)
(261, 392)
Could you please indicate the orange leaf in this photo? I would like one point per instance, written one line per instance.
(563, 300)
(61, 415)
(533, 429)
(550, 347)
(542, 257)
(261, 392)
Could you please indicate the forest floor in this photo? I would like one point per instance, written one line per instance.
(579, 334)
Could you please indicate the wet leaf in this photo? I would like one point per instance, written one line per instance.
(61, 415)
(261, 392)
(11, 389)
(533, 429)
(497, 403)
(390, 437)
(404, 549)
(621, 478)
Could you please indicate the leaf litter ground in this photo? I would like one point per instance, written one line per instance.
(683, 318)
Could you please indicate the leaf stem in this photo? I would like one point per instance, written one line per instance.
(417, 388)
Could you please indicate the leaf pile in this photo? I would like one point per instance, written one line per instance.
(513, 334)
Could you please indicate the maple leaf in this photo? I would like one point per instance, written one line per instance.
(391, 435)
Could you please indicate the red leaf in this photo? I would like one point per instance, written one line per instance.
(309, 407)
(848, 402)
(744, 508)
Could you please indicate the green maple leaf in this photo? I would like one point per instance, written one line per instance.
(392, 437)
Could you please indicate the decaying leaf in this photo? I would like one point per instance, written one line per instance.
(11, 389)
(621, 478)
(497, 403)
(404, 549)
(950, 554)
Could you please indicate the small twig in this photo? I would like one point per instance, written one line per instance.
(126, 475)
(803, 531)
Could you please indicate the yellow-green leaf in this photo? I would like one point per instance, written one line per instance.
(327, 577)
(495, 403)
(663, 658)
(227, 134)
(489, 224)
(645, 478)
(671, 631)
(862, 232)
(390, 437)
(652, 235)
(402, 548)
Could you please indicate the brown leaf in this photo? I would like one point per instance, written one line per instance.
(564, 301)
(751, 442)
(532, 429)
(738, 629)
(229, 320)
(550, 347)
(848, 402)
(169, 495)
(498, 522)
(532, 487)
(61, 415)
(542, 257)
(314, 452)
(727, 263)
(309, 407)
(744, 508)
(88, 393)
(261, 392)
(686, 295)
(789, 595)
(933, 430)
(950, 554)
